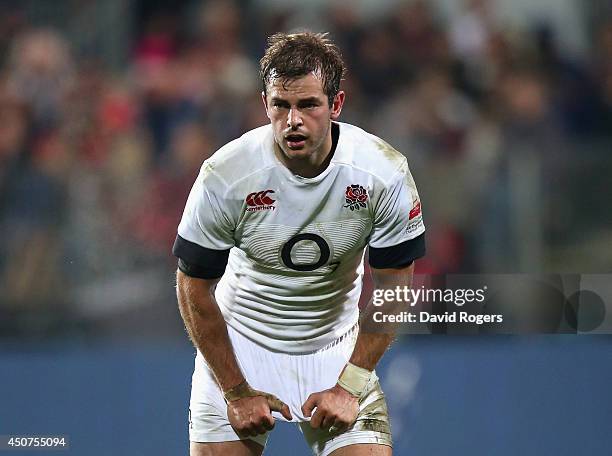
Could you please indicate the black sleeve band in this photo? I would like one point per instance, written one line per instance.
(197, 261)
(397, 256)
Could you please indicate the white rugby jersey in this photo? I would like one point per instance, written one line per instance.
(294, 246)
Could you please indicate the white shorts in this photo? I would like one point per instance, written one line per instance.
(292, 378)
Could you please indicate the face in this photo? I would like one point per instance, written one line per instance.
(301, 118)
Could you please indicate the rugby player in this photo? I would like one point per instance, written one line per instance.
(270, 261)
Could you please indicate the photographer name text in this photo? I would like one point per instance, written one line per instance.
(430, 317)
(413, 296)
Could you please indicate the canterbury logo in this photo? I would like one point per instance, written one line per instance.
(259, 201)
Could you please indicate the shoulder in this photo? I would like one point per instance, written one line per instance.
(369, 153)
(238, 159)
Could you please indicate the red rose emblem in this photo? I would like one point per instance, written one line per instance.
(355, 197)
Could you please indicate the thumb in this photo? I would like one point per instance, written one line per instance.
(310, 404)
(277, 405)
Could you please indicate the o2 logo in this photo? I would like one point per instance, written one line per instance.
(323, 246)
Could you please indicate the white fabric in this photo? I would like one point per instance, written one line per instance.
(292, 378)
(245, 199)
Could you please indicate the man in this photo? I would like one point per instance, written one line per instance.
(271, 248)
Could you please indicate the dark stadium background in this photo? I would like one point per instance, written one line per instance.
(107, 108)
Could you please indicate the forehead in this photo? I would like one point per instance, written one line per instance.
(307, 86)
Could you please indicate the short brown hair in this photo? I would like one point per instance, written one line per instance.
(291, 56)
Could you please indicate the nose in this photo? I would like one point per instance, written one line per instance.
(294, 119)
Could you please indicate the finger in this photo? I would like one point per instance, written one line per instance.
(260, 428)
(252, 430)
(338, 428)
(268, 422)
(310, 404)
(246, 432)
(328, 421)
(242, 434)
(317, 418)
(277, 405)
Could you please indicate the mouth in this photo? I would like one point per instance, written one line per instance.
(295, 140)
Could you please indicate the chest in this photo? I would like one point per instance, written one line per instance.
(307, 228)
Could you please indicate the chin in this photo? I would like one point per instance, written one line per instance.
(298, 153)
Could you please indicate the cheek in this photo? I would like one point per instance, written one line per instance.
(318, 120)
(277, 122)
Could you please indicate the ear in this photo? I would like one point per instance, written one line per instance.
(265, 103)
(337, 104)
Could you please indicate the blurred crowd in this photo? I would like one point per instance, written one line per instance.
(507, 135)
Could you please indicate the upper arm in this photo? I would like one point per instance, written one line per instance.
(186, 282)
(392, 277)
(397, 237)
(190, 289)
(205, 233)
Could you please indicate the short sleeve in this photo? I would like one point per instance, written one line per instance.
(205, 233)
(397, 237)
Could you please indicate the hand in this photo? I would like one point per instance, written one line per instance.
(251, 415)
(336, 409)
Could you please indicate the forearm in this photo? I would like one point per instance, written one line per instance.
(207, 329)
(369, 348)
(373, 340)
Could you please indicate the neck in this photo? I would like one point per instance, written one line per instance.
(314, 164)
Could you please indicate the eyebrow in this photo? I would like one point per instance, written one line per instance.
(301, 100)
